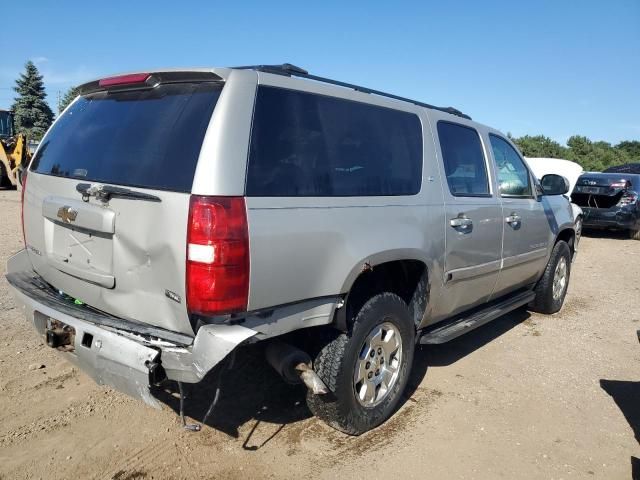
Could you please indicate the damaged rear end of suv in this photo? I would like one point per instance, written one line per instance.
(125, 259)
(609, 201)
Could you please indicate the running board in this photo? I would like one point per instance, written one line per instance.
(461, 325)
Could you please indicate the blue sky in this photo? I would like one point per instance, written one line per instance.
(553, 67)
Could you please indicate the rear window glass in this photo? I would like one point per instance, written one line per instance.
(303, 144)
(144, 138)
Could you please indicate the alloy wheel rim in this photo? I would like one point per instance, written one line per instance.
(378, 365)
(560, 278)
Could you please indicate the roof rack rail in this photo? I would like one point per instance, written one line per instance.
(294, 71)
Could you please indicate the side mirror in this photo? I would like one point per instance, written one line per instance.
(554, 185)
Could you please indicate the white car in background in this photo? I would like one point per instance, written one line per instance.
(566, 168)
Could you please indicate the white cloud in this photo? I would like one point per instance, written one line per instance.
(39, 60)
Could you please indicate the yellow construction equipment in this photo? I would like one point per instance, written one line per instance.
(14, 151)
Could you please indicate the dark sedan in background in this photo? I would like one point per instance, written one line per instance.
(609, 200)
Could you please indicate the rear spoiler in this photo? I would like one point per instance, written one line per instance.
(144, 80)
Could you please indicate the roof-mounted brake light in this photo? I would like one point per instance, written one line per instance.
(124, 79)
(147, 80)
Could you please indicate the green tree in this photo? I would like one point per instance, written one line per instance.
(593, 156)
(540, 146)
(631, 148)
(579, 146)
(32, 114)
(68, 97)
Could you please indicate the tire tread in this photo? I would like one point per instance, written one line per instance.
(328, 364)
(544, 302)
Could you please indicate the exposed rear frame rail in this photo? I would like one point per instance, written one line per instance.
(286, 69)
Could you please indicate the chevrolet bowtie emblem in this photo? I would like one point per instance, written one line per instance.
(67, 214)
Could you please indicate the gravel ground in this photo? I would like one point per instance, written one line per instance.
(526, 396)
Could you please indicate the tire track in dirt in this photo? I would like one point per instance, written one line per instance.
(313, 432)
(136, 464)
(74, 412)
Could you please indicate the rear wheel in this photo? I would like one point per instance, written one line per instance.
(367, 369)
(552, 287)
(634, 234)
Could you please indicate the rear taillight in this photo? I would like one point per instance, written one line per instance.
(628, 198)
(24, 188)
(620, 184)
(217, 277)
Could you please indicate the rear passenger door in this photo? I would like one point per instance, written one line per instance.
(526, 228)
(473, 218)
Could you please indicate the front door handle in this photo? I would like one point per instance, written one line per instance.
(513, 219)
(461, 222)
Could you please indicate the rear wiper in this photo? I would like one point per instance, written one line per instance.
(104, 193)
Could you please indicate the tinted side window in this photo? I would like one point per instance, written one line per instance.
(464, 162)
(513, 175)
(304, 144)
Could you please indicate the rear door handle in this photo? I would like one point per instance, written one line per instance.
(513, 219)
(461, 222)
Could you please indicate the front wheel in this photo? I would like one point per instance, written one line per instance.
(634, 234)
(367, 369)
(552, 287)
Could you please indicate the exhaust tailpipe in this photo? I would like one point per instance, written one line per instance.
(294, 366)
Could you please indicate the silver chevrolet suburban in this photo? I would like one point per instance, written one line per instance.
(172, 216)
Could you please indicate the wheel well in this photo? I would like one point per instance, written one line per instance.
(406, 278)
(567, 235)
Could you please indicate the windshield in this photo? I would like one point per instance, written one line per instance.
(142, 138)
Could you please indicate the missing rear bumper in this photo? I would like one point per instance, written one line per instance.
(109, 358)
(128, 359)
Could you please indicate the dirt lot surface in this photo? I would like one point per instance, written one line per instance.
(526, 396)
